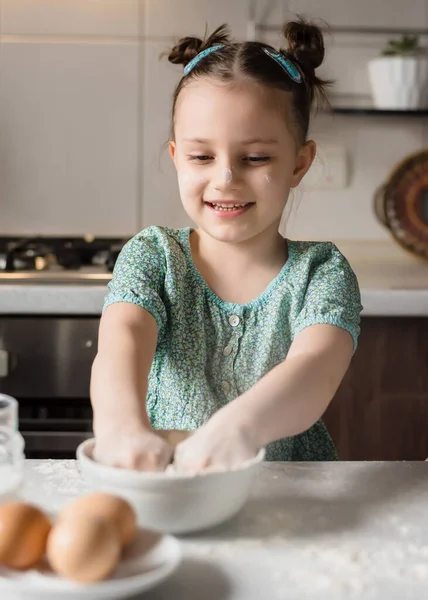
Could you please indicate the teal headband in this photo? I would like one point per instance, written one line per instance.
(287, 65)
(192, 64)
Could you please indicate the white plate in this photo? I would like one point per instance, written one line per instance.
(150, 559)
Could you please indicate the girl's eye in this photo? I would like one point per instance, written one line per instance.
(257, 159)
(249, 159)
(200, 158)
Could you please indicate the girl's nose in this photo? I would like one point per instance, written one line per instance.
(228, 175)
(224, 178)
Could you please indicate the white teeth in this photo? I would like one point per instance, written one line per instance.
(228, 207)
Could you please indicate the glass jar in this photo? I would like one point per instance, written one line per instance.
(12, 446)
(8, 412)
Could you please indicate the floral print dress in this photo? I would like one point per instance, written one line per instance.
(210, 351)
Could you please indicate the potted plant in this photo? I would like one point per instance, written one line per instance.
(399, 77)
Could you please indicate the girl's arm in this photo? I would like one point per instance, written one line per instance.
(295, 394)
(126, 347)
(285, 402)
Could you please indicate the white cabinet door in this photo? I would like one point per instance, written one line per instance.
(68, 143)
(70, 17)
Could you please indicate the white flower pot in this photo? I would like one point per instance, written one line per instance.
(399, 83)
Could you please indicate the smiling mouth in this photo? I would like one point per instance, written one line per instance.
(228, 207)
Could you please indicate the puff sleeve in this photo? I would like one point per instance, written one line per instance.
(139, 275)
(331, 294)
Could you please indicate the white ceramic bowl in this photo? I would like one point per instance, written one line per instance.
(172, 502)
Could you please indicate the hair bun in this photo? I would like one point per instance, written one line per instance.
(305, 43)
(185, 51)
(189, 47)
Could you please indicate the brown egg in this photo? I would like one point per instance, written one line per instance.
(107, 506)
(84, 548)
(24, 531)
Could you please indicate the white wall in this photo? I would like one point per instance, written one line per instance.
(85, 103)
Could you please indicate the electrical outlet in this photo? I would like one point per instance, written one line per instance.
(329, 171)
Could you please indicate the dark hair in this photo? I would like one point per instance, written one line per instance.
(305, 48)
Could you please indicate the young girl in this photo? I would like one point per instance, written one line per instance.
(228, 329)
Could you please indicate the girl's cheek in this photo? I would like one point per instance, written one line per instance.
(191, 182)
(266, 181)
(270, 185)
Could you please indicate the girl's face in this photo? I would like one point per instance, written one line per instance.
(236, 158)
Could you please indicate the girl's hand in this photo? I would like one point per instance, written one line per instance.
(214, 445)
(137, 448)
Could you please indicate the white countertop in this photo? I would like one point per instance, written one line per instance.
(88, 299)
(51, 299)
(330, 531)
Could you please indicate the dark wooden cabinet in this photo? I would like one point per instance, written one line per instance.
(380, 411)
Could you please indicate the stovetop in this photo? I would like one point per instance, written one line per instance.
(58, 260)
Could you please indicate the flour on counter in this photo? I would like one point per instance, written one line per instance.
(326, 531)
(61, 482)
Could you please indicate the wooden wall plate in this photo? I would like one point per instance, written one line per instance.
(404, 203)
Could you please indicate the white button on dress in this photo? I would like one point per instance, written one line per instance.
(234, 320)
(225, 386)
(227, 351)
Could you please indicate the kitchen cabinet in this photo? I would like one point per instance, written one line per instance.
(69, 132)
(380, 411)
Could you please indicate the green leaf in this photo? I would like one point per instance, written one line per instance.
(405, 45)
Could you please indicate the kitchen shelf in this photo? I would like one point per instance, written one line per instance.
(379, 112)
(257, 27)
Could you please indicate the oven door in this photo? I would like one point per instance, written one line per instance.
(45, 363)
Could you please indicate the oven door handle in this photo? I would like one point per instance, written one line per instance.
(8, 363)
(5, 363)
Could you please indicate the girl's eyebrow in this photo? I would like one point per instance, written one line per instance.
(260, 141)
(196, 140)
(245, 142)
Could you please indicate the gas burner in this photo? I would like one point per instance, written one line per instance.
(23, 256)
(40, 254)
